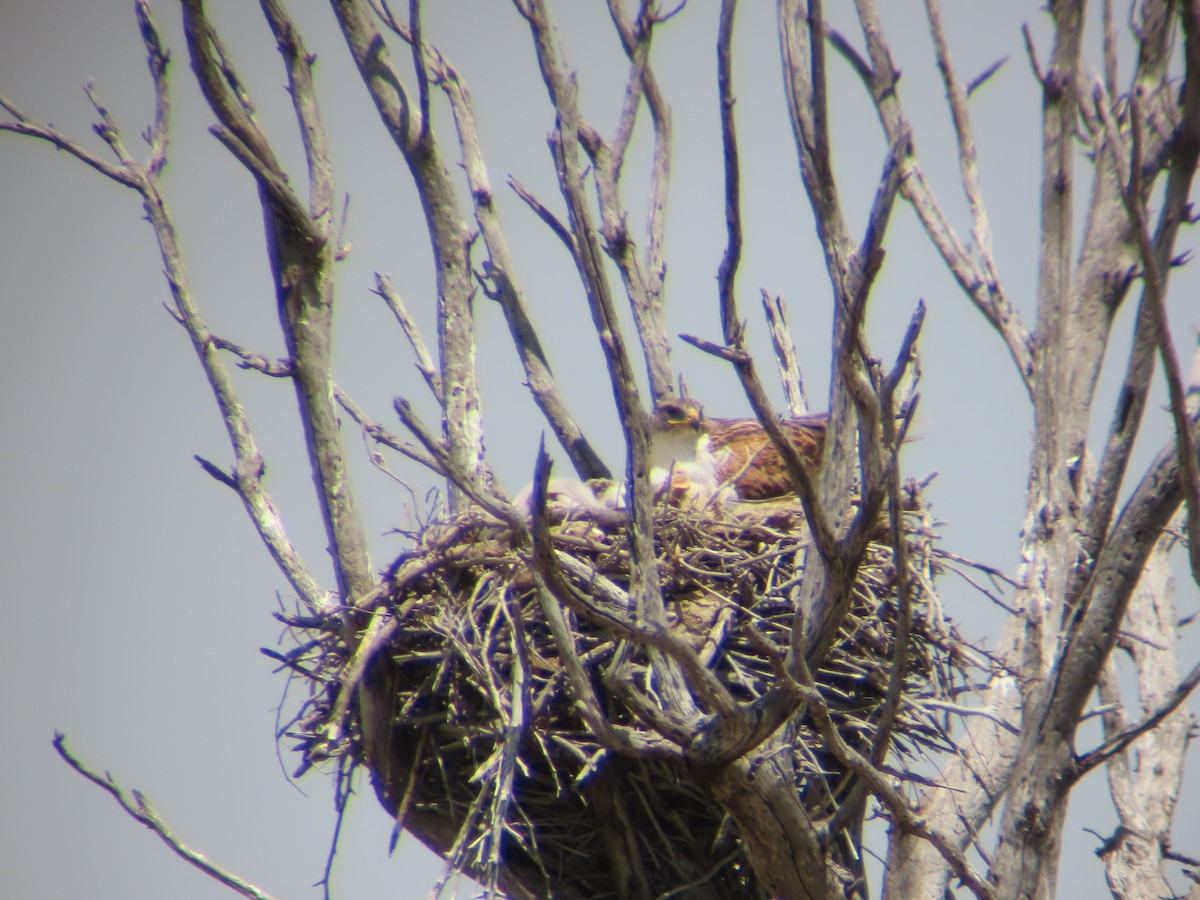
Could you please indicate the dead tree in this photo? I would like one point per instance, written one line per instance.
(545, 699)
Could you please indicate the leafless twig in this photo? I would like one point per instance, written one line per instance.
(785, 353)
(141, 811)
(384, 288)
(1155, 282)
(376, 432)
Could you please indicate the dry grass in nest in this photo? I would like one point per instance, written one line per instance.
(496, 762)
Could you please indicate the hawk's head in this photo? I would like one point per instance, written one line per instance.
(675, 429)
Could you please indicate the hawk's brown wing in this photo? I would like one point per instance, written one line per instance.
(746, 456)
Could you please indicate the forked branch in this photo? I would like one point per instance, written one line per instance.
(248, 467)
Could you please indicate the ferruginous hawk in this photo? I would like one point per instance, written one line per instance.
(738, 452)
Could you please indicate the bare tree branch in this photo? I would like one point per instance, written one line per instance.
(852, 268)
(383, 287)
(249, 466)
(987, 293)
(1120, 741)
(1155, 279)
(144, 813)
(258, 362)
(956, 96)
(1022, 865)
(448, 231)
(733, 330)
(301, 249)
(785, 354)
(1040, 776)
(548, 218)
(645, 589)
(500, 282)
(1145, 788)
(1040, 782)
(465, 480)
(644, 280)
(24, 125)
(376, 432)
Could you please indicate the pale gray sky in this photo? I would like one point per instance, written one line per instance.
(139, 595)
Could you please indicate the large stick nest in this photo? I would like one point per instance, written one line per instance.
(489, 759)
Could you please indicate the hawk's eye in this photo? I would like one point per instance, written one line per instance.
(676, 414)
